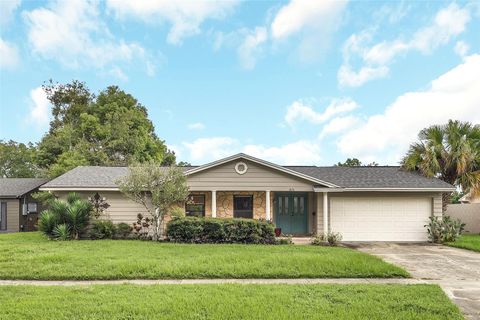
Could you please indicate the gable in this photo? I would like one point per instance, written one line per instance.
(257, 177)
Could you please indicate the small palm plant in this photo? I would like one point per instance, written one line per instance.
(66, 219)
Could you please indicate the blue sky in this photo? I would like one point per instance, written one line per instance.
(294, 82)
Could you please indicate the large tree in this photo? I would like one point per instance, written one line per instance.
(111, 128)
(17, 160)
(450, 152)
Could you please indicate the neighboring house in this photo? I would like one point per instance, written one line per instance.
(362, 203)
(470, 198)
(18, 210)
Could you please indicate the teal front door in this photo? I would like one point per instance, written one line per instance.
(291, 212)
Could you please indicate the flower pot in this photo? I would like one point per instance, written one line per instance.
(278, 232)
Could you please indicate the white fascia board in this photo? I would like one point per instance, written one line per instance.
(77, 189)
(385, 189)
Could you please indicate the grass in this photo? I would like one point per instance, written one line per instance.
(467, 241)
(227, 301)
(32, 256)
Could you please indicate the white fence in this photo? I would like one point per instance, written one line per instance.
(468, 213)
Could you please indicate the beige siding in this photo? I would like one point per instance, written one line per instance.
(13, 215)
(257, 178)
(121, 208)
(319, 213)
(437, 205)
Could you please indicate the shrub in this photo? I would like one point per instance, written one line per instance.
(47, 222)
(102, 229)
(123, 231)
(62, 232)
(212, 230)
(332, 239)
(318, 240)
(74, 214)
(444, 229)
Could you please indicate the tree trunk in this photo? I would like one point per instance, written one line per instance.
(445, 201)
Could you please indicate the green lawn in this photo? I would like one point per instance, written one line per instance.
(467, 241)
(32, 256)
(227, 301)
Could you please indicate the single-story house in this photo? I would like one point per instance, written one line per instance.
(18, 210)
(362, 203)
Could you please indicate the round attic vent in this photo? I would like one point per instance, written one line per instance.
(241, 167)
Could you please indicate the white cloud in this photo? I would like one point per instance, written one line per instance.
(8, 55)
(118, 73)
(250, 47)
(196, 126)
(314, 20)
(205, 149)
(185, 17)
(448, 23)
(339, 124)
(385, 137)
(72, 33)
(298, 15)
(349, 78)
(40, 111)
(7, 8)
(301, 152)
(461, 48)
(299, 111)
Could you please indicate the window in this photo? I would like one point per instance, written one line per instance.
(3, 216)
(195, 206)
(32, 207)
(243, 207)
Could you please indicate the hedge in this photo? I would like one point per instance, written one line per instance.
(215, 230)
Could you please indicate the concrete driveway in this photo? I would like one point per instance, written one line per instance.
(457, 271)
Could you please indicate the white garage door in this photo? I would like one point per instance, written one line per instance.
(380, 219)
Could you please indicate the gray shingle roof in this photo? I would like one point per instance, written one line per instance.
(90, 177)
(371, 177)
(345, 177)
(16, 187)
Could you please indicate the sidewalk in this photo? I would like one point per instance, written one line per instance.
(213, 281)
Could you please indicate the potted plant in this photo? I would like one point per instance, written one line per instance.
(278, 232)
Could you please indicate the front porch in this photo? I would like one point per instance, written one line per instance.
(296, 213)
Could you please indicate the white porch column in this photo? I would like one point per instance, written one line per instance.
(268, 215)
(325, 213)
(214, 203)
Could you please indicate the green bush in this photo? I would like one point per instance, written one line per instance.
(70, 216)
(212, 230)
(331, 239)
(123, 231)
(444, 229)
(102, 229)
(62, 232)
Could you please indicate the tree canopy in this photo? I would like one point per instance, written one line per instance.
(111, 128)
(354, 162)
(17, 160)
(450, 152)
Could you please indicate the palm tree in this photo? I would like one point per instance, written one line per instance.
(449, 152)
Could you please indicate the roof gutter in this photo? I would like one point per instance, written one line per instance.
(77, 189)
(316, 189)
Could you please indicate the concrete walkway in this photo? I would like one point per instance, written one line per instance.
(212, 281)
(457, 271)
